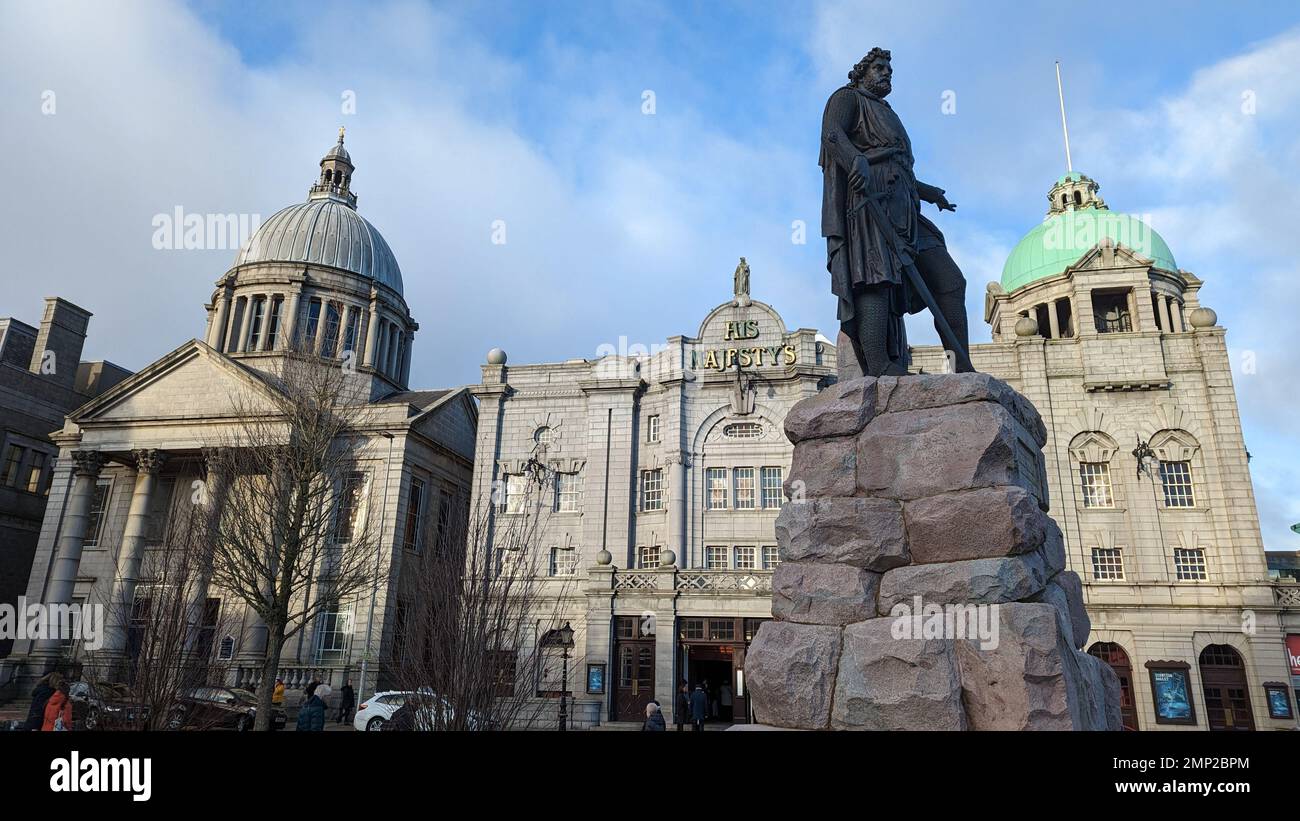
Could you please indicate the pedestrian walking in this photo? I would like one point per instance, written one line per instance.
(41, 693)
(58, 710)
(349, 700)
(277, 695)
(311, 713)
(683, 706)
(699, 707)
(654, 719)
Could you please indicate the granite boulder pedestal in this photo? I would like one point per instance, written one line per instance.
(922, 584)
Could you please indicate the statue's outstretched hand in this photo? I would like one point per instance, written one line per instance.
(944, 205)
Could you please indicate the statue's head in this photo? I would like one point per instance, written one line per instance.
(873, 73)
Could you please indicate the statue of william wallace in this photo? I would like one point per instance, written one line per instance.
(885, 259)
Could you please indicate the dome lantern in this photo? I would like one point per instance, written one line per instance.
(335, 180)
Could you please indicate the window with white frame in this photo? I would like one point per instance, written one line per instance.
(1094, 482)
(1107, 564)
(772, 495)
(568, 492)
(715, 557)
(746, 557)
(745, 491)
(564, 561)
(348, 509)
(516, 489)
(652, 489)
(1176, 477)
(333, 634)
(743, 430)
(1189, 564)
(98, 506)
(771, 556)
(648, 557)
(715, 482)
(652, 428)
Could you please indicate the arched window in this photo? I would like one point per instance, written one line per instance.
(1092, 450)
(329, 174)
(1078, 198)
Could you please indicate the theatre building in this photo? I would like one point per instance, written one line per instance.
(667, 467)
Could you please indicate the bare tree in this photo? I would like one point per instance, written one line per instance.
(169, 627)
(293, 539)
(471, 607)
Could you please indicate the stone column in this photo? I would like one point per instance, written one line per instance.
(394, 349)
(1053, 322)
(246, 325)
(214, 495)
(226, 339)
(1166, 320)
(372, 330)
(408, 337)
(218, 330)
(381, 354)
(63, 575)
(290, 331)
(677, 507)
(148, 464)
(268, 314)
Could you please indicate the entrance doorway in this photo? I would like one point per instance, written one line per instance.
(713, 649)
(1227, 693)
(1114, 655)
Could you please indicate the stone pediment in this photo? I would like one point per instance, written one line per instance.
(192, 382)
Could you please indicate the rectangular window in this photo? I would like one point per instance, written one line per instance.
(414, 509)
(351, 332)
(568, 492)
(564, 561)
(333, 634)
(273, 327)
(744, 482)
(771, 556)
(746, 556)
(1111, 313)
(1107, 564)
(652, 428)
(444, 518)
(503, 667)
(772, 495)
(722, 629)
(13, 461)
(648, 557)
(692, 628)
(1094, 481)
(348, 511)
(313, 325)
(516, 493)
(160, 505)
(95, 518)
(35, 468)
(652, 489)
(1176, 477)
(715, 557)
(715, 480)
(329, 345)
(259, 316)
(1189, 565)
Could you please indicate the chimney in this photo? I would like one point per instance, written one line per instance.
(58, 343)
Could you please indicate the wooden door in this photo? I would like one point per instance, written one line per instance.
(635, 679)
(1227, 693)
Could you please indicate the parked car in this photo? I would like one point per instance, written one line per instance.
(103, 705)
(382, 712)
(209, 708)
(375, 711)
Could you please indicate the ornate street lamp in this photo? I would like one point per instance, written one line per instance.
(1147, 461)
(562, 638)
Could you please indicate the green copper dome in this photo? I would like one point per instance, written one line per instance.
(1066, 235)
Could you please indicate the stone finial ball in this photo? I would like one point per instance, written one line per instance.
(1203, 318)
(604, 557)
(667, 559)
(496, 356)
(1026, 326)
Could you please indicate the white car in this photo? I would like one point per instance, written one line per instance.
(374, 711)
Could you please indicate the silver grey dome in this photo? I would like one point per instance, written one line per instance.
(324, 231)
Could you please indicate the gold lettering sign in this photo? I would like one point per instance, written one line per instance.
(722, 359)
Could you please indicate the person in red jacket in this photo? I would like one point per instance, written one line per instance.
(58, 707)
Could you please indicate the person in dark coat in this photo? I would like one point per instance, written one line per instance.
(349, 700)
(311, 713)
(654, 719)
(699, 707)
(40, 697)
(683, 706)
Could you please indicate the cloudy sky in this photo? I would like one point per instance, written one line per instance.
(625, 219)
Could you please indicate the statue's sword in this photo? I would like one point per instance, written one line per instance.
(913, 276)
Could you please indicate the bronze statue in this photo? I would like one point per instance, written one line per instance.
(885, 259)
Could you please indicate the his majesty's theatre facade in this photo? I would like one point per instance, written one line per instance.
(668, 465)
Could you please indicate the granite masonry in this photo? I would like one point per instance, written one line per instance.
(921, 500)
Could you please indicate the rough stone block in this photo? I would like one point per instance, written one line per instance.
(941, 390)
(790, 671)
(1030, 681)
(846, 360)
(1053, 549)
(1064, 591)
(919, 453)
(823, 593)
(886, 683)
(976, 581)
(860, 532)
(976, 524)
(843, 409)
(822, 467)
